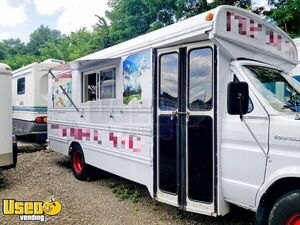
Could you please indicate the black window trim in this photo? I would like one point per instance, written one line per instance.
(159, 81)
(188, 78)
(19, 80)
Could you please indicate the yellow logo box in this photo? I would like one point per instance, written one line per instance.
(13, 207)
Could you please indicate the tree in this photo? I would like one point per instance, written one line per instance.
(40, 37)
(131, 18)
(15, 46)
(287, 15)
(101, 38)
(79, 43)
(17, 61)
(3, 51)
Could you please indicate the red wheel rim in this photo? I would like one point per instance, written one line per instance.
(294, 220)
(78, 162)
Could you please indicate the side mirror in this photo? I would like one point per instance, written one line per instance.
(237, 98)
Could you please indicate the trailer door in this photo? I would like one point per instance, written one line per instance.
(185, 127)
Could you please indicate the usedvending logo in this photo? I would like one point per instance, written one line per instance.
(31, 210)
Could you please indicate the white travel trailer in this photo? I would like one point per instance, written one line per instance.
(8, 150)
(30, 99)
(200, 112)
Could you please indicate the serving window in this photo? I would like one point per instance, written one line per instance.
(90, 87)
(99, 84)
(107, 84)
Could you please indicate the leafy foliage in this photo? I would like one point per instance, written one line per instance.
(287, 15)
(125, 191)
(40, 37)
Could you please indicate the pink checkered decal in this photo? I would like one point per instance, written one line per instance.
(117, 140)
(243, 26)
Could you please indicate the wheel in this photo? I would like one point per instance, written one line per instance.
(80, 169)
(286, 211)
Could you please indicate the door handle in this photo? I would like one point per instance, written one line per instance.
(183, 113)
(176, 113)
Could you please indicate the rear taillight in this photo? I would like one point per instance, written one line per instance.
(41, 119)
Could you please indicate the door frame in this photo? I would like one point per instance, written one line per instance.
(186, 204)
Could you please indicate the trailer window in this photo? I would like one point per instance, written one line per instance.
(90, 87)
(200, 79)
(168, 92)
(21, 86)
(107, 84)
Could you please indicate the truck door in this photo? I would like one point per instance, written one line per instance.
(185, 127)
(243, 162)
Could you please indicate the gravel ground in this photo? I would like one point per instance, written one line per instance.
(43, 174)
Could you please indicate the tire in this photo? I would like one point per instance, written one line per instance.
(80, 169)
(262, 213)
(286, 210)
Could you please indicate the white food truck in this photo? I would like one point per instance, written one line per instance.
(201, 112)
(8, 150)
(30, 99)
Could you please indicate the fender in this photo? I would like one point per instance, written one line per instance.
(286, 172)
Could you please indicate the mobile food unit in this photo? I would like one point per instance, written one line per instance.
(200, 112)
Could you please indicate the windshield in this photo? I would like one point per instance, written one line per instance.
(273, 84)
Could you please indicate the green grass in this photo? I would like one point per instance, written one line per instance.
(125, 191)
(127, 99)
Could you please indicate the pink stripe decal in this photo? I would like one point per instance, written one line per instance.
(129, 142)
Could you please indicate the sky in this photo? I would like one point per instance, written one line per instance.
(19, 18)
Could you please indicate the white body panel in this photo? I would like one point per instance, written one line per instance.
(284, 151)
(6, 156)
(118, 136)
(296, 71)
(104, 118)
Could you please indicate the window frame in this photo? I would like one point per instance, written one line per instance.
(97, 72)
(22, 92)
(160, 78)
(188, 79)
(85, 84)
(99, 86)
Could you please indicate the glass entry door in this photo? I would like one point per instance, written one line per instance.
(185, 152)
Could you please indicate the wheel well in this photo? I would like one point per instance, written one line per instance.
(274, 192)
(73, 145)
